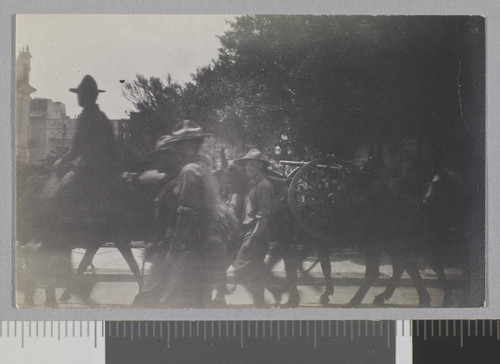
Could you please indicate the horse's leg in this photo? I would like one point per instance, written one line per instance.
(126, 252)
(397, 272)
(50, 296)
(423, 295)
(326, 268)
(435, 262)
(372, 271)
(220, 289)
(291, 259)
(87, 259)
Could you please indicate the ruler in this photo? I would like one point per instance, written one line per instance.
(338, 341)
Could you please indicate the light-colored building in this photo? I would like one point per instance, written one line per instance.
(23, 101)
(50, 129)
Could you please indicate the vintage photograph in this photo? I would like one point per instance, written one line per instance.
(249, 161)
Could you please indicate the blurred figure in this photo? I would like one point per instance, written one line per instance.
(249, 264)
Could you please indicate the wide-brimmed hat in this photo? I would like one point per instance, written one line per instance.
(190, 130)
(162, 145)
(253, 154)
(88, 86)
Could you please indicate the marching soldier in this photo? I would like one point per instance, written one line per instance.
(249, 264)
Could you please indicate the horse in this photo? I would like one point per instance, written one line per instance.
(433, 230)
(114, 212)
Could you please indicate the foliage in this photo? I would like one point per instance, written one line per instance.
(323, 84)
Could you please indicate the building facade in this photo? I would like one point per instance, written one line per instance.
(23, 103)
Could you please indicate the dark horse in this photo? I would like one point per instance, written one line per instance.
(433, 229)
(115, 212)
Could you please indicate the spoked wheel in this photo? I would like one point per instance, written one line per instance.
(318, 197)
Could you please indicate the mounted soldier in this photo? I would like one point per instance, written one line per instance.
(92, 159)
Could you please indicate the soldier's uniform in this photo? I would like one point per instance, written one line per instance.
(94, 147)
(188, 280)
(249, 265)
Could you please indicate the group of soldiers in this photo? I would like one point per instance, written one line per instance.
(188, 251)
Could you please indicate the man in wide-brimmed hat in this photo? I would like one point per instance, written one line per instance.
(93, 145)
(249, 264)
(194, 219)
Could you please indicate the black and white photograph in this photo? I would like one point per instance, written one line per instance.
(249, 161)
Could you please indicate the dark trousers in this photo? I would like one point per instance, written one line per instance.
(250, 268)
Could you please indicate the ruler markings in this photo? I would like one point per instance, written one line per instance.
(432, 328)
(95, 334)
(132, 331)
(388, 334)
(278, 330)
(29, 328)
(352, 330)
(168, 333)
(22, 334)
(461, 333)
(425, 329)
(315, 335)
(241, 334)
(58, 330)
(439, 328)
(147, 329)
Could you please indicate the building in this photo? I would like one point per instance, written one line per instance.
(50, 129)
(23, 103)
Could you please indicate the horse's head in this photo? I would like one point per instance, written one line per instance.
(446, 189)
(231, 179)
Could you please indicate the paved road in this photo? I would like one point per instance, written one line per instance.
(112, 284)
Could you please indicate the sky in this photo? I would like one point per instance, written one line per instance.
(112, 48)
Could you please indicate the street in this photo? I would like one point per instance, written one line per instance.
(111, 283)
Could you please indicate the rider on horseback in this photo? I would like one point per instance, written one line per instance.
(93, 148)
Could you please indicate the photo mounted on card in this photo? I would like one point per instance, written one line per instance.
(254, 161)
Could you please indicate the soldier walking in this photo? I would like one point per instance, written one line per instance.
(249, 264)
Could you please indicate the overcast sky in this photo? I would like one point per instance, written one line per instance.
(113, 48)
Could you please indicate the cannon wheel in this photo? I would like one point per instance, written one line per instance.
(312, 196)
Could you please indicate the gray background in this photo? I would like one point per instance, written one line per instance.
(488, 8)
